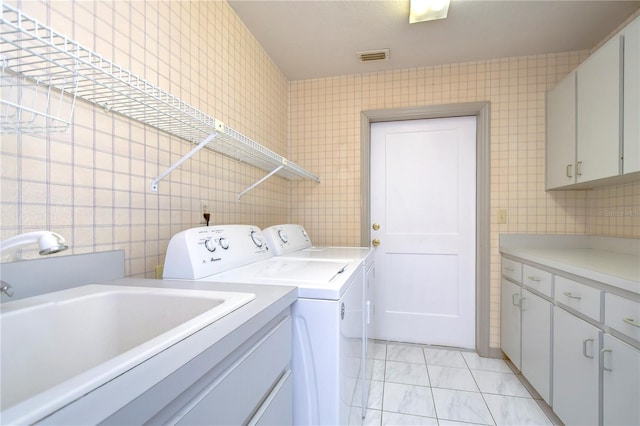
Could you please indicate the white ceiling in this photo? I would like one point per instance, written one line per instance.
(320, 38)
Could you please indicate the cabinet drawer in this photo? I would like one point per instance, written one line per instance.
(278, 408)
(622, 315)
(578, 296)
(235, 395)
(512, 269)
(537, 279)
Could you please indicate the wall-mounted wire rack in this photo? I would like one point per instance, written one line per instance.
(38, 54)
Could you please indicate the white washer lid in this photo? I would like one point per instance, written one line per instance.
(315, 279)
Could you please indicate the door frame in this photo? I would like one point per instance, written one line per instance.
(481, 111)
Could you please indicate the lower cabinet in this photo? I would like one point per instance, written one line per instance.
(575, 369)
(236, 393)
(250, 386)
(536, 342)
(510, 323)
(575, 340)
(620, 376)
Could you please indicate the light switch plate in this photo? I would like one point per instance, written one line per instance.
(502, 215)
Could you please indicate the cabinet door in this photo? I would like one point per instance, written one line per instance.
(598, 114)
(561, 133)
(575, 369)
(510, 321)
(621, 382)
(631, 133)
(536, 342)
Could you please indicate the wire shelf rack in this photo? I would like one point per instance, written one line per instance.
(36, 55)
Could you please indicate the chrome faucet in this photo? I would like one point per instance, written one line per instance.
(6, 288)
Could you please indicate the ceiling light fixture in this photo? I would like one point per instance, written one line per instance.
(428, 10)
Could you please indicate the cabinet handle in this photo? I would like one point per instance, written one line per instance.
(584, 348)
(532, 278)
(513, 299)
(579, 168)
(570, 295)
(508, 269)
(602, 352)
(632, 322)
(569, 167)
(522, 299)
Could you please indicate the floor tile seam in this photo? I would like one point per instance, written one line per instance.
(407, 414)
(433, 399)
(510, 396)
(406, 362)
(481, 394)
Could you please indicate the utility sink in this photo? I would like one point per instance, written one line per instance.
(59, 346)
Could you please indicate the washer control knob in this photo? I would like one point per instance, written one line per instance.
(257, 239)
(209, 245)
(283, 236)
(224, 243)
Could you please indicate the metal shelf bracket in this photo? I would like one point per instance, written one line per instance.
(274, 171)
(205, 141)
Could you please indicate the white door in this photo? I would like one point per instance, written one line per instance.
(423, 180)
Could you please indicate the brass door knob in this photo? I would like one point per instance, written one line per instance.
(376, 226)
(375, 242)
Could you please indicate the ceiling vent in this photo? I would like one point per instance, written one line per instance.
(374, 55)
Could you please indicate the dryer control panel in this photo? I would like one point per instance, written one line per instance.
(200, 252)
(283, 239)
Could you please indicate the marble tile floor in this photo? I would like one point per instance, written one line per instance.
(423, 385)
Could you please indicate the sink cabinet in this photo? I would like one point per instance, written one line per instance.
(237, 371)
(253, 385)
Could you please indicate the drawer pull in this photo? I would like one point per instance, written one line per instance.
(570, 295)
(632, 322)
(584, 348)
(602, 352)
(532, 278)
(508, 269)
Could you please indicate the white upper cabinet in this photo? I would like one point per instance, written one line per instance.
(561, 133)
(598, 114)
(631, 95)
(593, 118)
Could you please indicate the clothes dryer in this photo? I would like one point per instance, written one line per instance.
(327, 317)
(291, 241)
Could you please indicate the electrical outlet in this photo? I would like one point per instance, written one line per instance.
(159, 271)
(204, 206)
(502, 216)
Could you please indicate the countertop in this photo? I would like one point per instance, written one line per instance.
(223, 336)
(611, 261)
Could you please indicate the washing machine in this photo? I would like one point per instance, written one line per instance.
(327, 316)
(291, 241)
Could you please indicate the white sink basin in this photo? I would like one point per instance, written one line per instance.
(57, 346)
